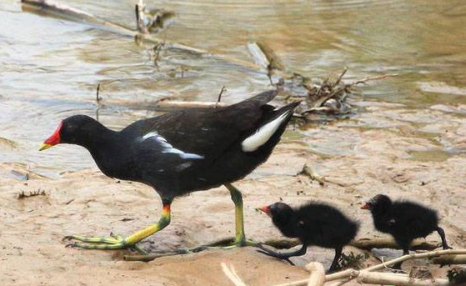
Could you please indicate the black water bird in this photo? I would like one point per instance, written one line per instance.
(314, 224)
(404, 220)
(180, 152)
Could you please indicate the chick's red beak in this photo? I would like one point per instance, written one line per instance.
(367, 206)
(265, 209)
(52, 140)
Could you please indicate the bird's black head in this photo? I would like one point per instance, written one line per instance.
(378, 204)
(280, 213)
(77, 129)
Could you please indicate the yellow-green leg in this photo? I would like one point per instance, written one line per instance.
(119, 242)
(240, 237)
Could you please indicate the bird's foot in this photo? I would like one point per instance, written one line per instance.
(283, 256)
(111, 242)
(242, 242)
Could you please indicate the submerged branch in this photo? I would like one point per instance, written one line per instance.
(73, 14)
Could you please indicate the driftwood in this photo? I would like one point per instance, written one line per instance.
(388, 242)
(365, 275)
(317, 277)
(449, 259)
(73, 14)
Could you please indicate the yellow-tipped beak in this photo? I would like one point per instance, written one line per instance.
(44, 146)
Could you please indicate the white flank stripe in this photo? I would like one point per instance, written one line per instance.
(263, 134)
(168, 148)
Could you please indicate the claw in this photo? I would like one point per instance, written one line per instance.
(70, 245)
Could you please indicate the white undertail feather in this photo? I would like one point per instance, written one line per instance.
(263, 134)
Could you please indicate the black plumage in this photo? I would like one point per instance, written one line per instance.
(313, 223)
(186, 150)
(404, 220)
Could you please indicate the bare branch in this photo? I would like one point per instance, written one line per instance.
(371, 78)
(364, 276)
(231, 274)
(317, 277)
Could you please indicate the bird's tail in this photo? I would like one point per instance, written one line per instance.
(270, 126)
(258, 100)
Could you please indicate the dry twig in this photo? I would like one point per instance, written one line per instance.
(388, 242)
(364, 276)
(309, 171)
(23, 195)
(449, 259)
(317, 277)
(220, 95)
(232, 275)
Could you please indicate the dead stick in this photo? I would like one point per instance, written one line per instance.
(417, 256)
(97, 97)
(317, 277)
(339, 283)
(232, 275)
(371, 78)
(63, 11)
(220, 95)
(449, 259)
(397, 279)
(258, 54)
(368, 244)
(351, 273)
(341, 77)
(73, 14)
(309, 171)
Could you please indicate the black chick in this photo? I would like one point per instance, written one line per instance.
(404, 220)
(315, 224)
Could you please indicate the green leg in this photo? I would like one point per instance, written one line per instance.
(240, 237)
(119, 242)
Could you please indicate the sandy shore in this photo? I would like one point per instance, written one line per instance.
(372, 153)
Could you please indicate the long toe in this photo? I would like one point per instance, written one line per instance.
(112, 239)
(99, 242)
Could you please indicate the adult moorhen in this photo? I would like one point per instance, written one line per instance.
(404, 220)
(180, 152)
(313, 223)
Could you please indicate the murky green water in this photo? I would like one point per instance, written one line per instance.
(50, 68)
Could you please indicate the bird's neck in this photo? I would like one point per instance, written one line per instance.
(101, 139)
(105, 147)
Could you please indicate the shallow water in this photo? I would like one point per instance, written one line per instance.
(51, 67)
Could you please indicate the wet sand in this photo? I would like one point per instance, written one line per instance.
(365, 160)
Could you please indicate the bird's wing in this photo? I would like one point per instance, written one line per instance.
(208, 132)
